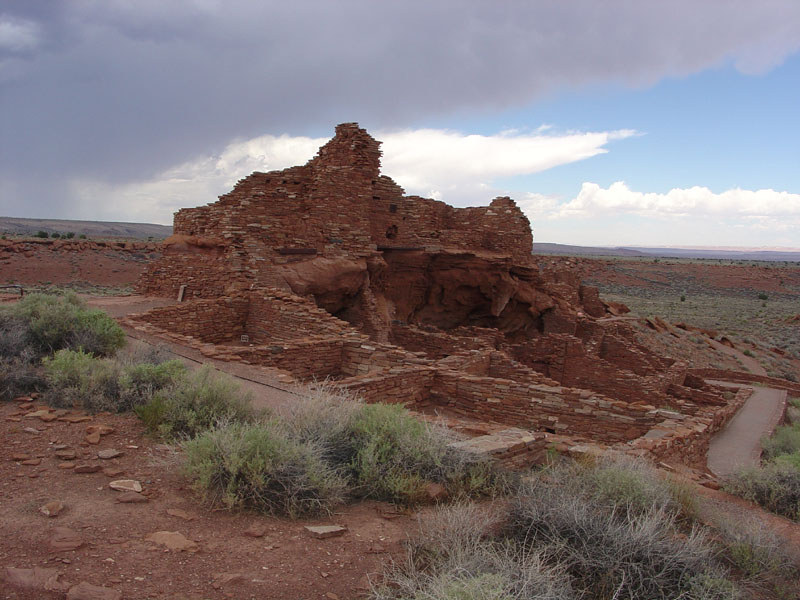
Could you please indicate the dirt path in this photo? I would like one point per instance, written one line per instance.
(266, 389)
(739, 444)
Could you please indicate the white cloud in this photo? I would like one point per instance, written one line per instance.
(697, 201)
(462, 169)
(18, 35)
(447, 165)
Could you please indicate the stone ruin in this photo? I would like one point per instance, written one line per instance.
(328, 270)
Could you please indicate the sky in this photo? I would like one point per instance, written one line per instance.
(622, 122)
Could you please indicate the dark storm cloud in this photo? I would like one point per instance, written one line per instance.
(117, 91)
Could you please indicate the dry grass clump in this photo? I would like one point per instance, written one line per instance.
(611, 530)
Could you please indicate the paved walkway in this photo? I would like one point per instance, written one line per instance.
(739, 444)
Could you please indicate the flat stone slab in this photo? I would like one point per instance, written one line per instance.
(125, 485)
(173, 540)
(87, 591)
(108, 453)
(325, 531)
(63, 539)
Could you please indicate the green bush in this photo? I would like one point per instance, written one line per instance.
(196, 402)
(77, 379)
(55, 322)
(258, 466)
(388, 453)
(395, 456)
(775, 486)
(41, 234)
(139, 383)
(785, 440)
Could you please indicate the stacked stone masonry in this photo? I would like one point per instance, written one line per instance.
(327, 270)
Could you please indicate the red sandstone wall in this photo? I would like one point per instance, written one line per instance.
(541, 407)
(336, 205)
(201, 319)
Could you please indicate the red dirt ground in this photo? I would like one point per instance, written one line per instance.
(285, 563)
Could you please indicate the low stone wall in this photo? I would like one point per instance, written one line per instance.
(275, 316)
(201, 319)
(742, 377)
(439, 344)
(361, 356)
(541, 407)
(396, 386)
(685, 439)
(306, 359)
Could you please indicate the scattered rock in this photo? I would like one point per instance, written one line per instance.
(17, 457)
(63, 539)
(93, 438)
(68, 454)
(172, 540)
(113, 472)
(38, 578)
(256, 530)
(325, 531)
(31, 430)
(109, 453)
(87, 468)
(66, 465)
(87, 591)
(435, 492)
(75, 418)
(101, 429)
(125, 485)
(181, 514)
(221, 579)
(32, 462)
(131, 498)
(52, 509)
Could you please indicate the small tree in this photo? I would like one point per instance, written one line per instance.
(41, 234)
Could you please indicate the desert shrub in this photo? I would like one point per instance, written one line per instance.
(454, 556)
(792, 459)
(15, 340)
(785, 440)
(76, 379)
(324, 416)
(552, 543)
(395, 456)
(69, 235)
(611, 553)
(241, 465)
(387, 452)
(55, 322)
(139, 383)
(41, 234)
(775, 486)
(18, 376)
(754, 552)
(194, 403)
